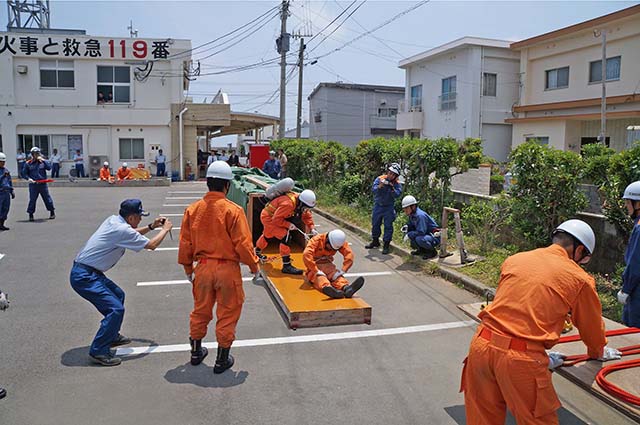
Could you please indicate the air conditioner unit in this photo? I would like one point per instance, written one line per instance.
(95, 163)
(22, 69)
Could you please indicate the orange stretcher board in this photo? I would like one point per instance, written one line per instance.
(584, 374)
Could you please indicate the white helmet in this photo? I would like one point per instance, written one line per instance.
(308, 198)
(408, 200)
(35, 149)
(272, 152)
(219, 170)
(125, 165)
(394, 168)
(3, 157)
(336, 238)
(632, 192)
(106, 164)
(579, 230)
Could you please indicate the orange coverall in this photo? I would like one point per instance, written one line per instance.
(105, 175)
(507, 366)
(124, 174)
(274, 219)
(216, 235)
(318, 255)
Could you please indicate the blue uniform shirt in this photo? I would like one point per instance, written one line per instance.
(36, 170)
(420, 224)
(108, 244)
(272, 168)
(631, 275)
(387, 194)
(6, 185)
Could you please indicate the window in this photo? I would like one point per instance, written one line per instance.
(416, 96)
(131, 149)
(633, 135)
(387, 112)
(317, 117)
(613, 70)
(557, 78)
(27, 141)
(114, 84)
(541, 140)
(489, 82)
(56, 74)
(448, 97)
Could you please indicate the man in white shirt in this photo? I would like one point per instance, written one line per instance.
(78, 159)
(101, 252)
(21, 158)
(212, 157)
(55, 163)
(161, 164)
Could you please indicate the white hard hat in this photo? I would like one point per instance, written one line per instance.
(125, 165)
(336, 238)
(272, 152)
(106, 164)
(408, 200)
(579, 230)
(35, 149)
(632, 192)
(3, 157)
(394, 168)
(308, 198)
(219, 170)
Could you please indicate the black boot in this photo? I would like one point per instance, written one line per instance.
(287, 268)
(52, 215)
(386, 249)
(31, 217)
(198, 352)
(224, 360)
(375, 243)
(332, 292)
(2, 226)
(418, 251)
(429, 253)
(260, 255)
(352, 288)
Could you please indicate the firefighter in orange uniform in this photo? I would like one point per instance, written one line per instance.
(215, 234)
(105, 173)
(322, 273)
(124, 173)
(286, 213)
(507, 366)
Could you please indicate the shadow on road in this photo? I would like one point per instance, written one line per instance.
(202, 376)
(565, 417)
(79, 357)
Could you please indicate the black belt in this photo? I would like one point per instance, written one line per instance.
(88, 268)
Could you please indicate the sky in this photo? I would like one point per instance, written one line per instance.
(372, 59)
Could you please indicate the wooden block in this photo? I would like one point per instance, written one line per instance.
(584, 374)
(304, 306)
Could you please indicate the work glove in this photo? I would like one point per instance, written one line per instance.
(190, 277)
(436, 234)
(320, 273)
(313, 232)
(13, 195)
(405, 228)
(256, 276)
(610, 353)
(31, 180)
(4, 302)
(556, 359)
(405, 239)
(292, 226)
(622, 297)
(337, 275)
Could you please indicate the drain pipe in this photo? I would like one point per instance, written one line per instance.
(181, 141)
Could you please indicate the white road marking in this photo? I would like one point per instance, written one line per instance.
(173, 228)
(171, 215)
(171, 248)
(132, 351)
(185, 197)
(2, 256)
(246, 279)
(175, 205)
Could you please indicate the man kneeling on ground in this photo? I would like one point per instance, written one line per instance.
(422, 230)
(322, 273)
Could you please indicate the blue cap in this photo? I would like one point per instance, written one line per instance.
(132, 206)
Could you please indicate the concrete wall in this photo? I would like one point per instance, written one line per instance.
(476, 180)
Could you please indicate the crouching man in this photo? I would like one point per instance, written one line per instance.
(322, 273)
(422, 230)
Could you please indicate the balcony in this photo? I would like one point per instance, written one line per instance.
(410, 119)
(378, 122)
(447, 101)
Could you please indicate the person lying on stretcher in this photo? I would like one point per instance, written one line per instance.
(322, 273)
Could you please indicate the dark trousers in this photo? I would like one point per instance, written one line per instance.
(80, 170)
(161, 170)
(5, 203)
(386, 214)
(55, 170)
(39, 189)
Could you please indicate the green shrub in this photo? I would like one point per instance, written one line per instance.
(350, 188)
(486, 220)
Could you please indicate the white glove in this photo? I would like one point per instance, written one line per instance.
(405, 239)
(556, 359)
(314, 232)
(292, 226)
(256, 276)
(31, 180)
(610, 353)
(190, 277)
(622, 297)
(337, 275)
(405, 228)
(436, 234)
(4, 302)
(320, 273)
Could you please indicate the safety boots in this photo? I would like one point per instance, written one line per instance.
(260, 255)
(354, 287)
(198, 352)
(31, 217)
(287, 268)
(52, 216)
(429, 253)
(386, 248)
(332, 292)
(375, 243)
(2, 226)
(224, 360)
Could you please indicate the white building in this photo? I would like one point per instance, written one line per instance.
(560, 99)
(465, 88)
(110, 98)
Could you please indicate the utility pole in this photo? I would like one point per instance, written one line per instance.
(282, 44)
(603, 104)
(300, 68)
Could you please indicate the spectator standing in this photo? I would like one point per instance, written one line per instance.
(234, 160)
(78, 160)
(161, 163)
(283, 163)
(21, 158)
(272, 166)
(213, 156)
(55, 163)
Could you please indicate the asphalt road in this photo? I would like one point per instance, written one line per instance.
(408, 378)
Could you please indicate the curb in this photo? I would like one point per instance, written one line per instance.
(447, 273)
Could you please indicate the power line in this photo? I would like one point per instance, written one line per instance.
(339, 25)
